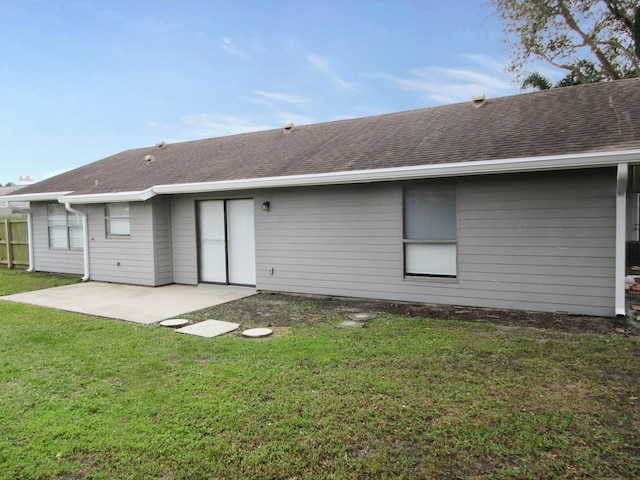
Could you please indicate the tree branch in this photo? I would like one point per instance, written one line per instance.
(619, 14)
(568, 67)
(627, 52)
(571, 22)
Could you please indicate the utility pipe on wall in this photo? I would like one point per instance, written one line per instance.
(621, 238)
(32, 265)
(85, 239)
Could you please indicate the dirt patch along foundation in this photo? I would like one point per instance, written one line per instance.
(282, 310)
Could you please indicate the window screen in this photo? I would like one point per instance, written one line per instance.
(65, 228)
(118, 219)
(430, 230)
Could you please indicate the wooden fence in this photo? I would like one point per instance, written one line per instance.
(14, 243)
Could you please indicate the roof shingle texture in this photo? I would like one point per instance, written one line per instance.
(571, 120)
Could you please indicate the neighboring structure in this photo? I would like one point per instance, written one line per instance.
(7, 211)
(516, 202)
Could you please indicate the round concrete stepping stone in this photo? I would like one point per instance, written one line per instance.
(351, 324)
(257, 332)
(362, 316)
(174, 322)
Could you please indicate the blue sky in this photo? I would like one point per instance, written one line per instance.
(84, 79)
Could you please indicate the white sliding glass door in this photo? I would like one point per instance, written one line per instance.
(227, 242)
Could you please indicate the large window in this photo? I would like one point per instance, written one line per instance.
(118, 220)
(65, 228)
(430, 230)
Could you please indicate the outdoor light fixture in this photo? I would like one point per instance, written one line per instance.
(265, 206)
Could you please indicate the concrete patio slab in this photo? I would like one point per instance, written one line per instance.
(131, 302)
(209, 328)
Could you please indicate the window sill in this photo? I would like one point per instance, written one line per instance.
(430, 279)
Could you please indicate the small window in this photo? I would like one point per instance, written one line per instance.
(65, 228)
(118, 220)
(430, 230)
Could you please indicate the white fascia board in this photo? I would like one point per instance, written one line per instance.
(140, 196)
(563, 162)
(484, 167)
(34, 197)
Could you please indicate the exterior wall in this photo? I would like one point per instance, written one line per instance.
(538, 241)
(127, 259)
(143, 258)
(183, 240)
(541, 242)
(162, 241)
(46, 260)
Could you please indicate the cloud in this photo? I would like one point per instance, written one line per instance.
(232, 49)
(487, 62)
(322, 65)
(283, 97)
(450, 85)
(204, 125)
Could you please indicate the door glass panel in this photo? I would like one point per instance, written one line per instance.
(213, 262)
(242, 249)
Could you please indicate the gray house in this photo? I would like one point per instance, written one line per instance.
(520, 202)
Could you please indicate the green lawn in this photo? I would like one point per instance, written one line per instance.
(18, 281)
(82, 397)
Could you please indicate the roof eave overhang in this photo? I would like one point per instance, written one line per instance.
(34, 197)
(564, 162)
(484, 167)
(140, 196)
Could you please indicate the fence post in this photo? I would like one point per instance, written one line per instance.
(7, 232)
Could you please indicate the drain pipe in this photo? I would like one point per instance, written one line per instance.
(27, 211)
(621, 238)
(85, 238)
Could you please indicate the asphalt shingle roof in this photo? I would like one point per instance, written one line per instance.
(571, 120)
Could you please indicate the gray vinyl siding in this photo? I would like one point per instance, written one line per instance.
(143, 258)
(52, 260)
(123, 259)
(541, 242)
(183, 240)
(162, 241)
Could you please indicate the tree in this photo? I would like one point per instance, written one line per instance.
(636, 31)
(592, 40)
(538, 81)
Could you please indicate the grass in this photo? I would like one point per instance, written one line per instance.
(18, 281)
(82, 397)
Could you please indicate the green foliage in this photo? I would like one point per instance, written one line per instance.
(537, 81)
(83, 397)
(590, 74)
(593, 40)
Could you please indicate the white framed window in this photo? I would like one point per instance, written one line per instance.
(430, 224)
(118, 220)
(65, 228)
